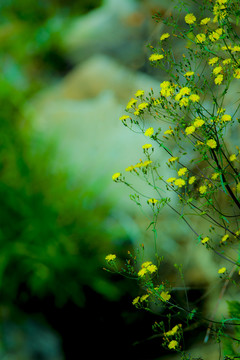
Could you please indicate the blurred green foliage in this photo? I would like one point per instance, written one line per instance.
(31, 38)
(52, 236)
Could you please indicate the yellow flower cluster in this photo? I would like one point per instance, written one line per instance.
(140, 299)
(198, 122)
(219, 10)
(215, 35)
(173, 331)
(140, 164)
(167, 89)
(131, 103)
(147, 268)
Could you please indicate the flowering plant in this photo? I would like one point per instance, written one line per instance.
(200, 104)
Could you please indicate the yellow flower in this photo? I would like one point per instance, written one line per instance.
(171, 179)
(139, 93)
(200, 38)
(156, 102)
(185, 91)
(143, 106)
(220, 110)
(217, 70)
(226, 117)
(166, 88)
(198, 122)
(215, 35)
(211, 143)
(179, 182)
(168, 132)
(136, 112)
(165, 84)
(215, 176)
(224, 238)
(236, 48)
(152, 201)
(173, 331)
(192, 179)
(182, 171)
(142, 272)
(190, 129)
(147, 146)
(167, 91)
(146, 264)
(205, 21)
(155, 57)
(183, 102)
(173, 344)
(218, 80)
(204, 240)
(173, 158)
(190, 19)
(189, 73)
(165, 296)
(152, 268)
(194, 98)
(135, 301)
(138, 165)
(144, 297)
(164, 36)
(233, 157)
(202, 189)
(236, 74)
(149, 132)
(110, 257)
(178, 97)
(227, 61)
(116, 176)
(131, 103)
(222, 270)
(129, 168)
(124, 117)
(213, 60)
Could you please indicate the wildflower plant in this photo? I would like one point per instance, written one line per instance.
(197, 109)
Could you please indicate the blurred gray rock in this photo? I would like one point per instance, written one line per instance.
(81, 115)
(29, 340)
(120, 29)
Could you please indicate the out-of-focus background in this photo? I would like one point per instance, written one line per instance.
(68, 68)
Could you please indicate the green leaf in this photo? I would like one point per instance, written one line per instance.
(234, 309)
